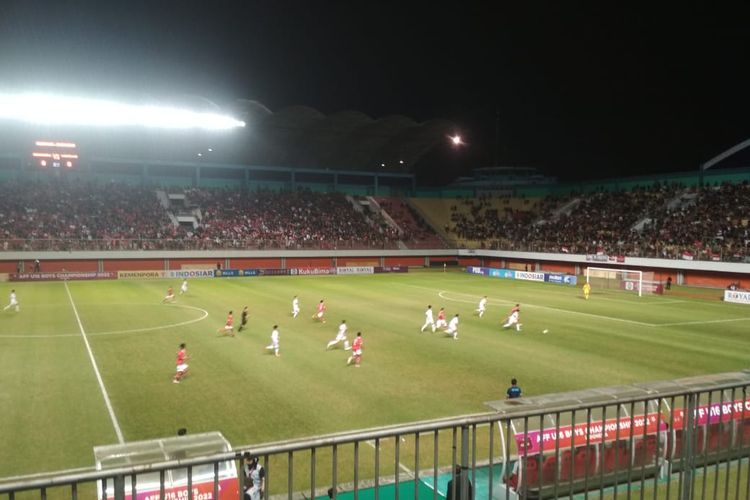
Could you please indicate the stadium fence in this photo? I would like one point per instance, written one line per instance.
(685, 438)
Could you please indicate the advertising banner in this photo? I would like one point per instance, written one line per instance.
(484, 271)
(717, 412)
(273, 272)
(355, 270)
(312, 271)
(392, 269)
(139, 275)
(202, 490)
(190, 273)
(566, 436)
(228, 273)
(737, 296)
(597, 258)
(502, 273)
(561, 279)
(63, 276)
(529, 276)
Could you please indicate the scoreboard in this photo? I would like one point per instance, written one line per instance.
(55, 154)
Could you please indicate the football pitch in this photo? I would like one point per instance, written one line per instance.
(90, 363)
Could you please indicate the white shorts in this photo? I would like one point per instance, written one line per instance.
(14, 302)
(358, 352)
(339, 338)
(441, 323)
(228, 328)
(320, 314)
(182, 368)
(512, 319)
(169, 297)
(451, 330)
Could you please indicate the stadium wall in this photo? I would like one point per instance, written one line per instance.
(692, 273)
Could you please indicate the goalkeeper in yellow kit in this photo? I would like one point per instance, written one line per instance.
(586, 290)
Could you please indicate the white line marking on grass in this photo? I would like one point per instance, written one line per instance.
(526, 304)
(400, 465)
(705, 322)
(111, 411)
(118, 332)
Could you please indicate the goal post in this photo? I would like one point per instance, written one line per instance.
(629, 280)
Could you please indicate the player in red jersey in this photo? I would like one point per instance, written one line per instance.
(441, 323)
(320, 313)
(228, 328)
(169, 297)
(514, 318)
(356, 351)
(182, 367)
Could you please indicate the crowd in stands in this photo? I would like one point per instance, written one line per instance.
(65, 215)
(234, 218)
(414, 230)
(68, 215)
(660, 221)
(665, 221)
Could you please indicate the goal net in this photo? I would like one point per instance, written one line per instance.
(627, 280)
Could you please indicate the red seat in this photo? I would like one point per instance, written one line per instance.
(616, 457)
(677, 451)
(566, 465)
(532, 470)
(719, 438)
(645, 451)
(585, 462)
(549, 469)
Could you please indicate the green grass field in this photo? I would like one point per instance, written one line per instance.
(54, 410)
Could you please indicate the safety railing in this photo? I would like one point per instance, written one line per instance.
(687, 438)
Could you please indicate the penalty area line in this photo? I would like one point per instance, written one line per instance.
(103, 389)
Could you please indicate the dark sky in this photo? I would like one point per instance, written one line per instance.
(581, 89)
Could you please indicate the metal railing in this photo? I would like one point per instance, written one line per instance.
(687, 438)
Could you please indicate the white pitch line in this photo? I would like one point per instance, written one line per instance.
(590, 315)
(116, 332)
(400, 465)
(705, 322)
(111, 411)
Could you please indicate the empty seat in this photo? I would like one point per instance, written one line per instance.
(549, 469)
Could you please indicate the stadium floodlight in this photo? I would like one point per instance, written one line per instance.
(456, 139)
(46, 109)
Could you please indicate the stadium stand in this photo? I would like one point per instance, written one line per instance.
(65, 215)
(660, 221)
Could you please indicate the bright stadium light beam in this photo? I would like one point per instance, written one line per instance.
(45, 109)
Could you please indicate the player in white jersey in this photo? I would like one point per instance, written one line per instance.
(274, 345)
(428, 320)
(12, 302)
(295, 306)
(482, 306)
(340, 336)
(453, 327)
(514, 318)
(183, 287)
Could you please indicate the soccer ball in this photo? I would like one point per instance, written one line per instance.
(545, 331)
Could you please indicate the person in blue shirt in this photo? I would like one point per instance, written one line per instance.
(513, 391)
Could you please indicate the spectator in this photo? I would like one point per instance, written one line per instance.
(514, 391)
(458, 484)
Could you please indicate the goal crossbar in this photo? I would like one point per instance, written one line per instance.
(628, 276)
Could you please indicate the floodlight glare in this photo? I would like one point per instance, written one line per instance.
(456, 139)
(47, 109)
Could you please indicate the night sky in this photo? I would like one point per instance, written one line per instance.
(577, 89)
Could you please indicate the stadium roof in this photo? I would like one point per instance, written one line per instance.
(301, 136)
